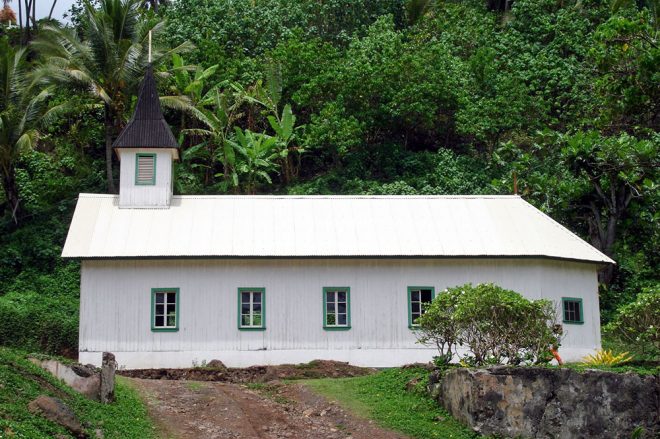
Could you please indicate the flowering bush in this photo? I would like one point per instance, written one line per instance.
(494, 325)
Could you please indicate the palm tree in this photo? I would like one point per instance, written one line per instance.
(107, 61)
(21, 106)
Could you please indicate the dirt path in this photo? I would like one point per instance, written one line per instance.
(200, 410)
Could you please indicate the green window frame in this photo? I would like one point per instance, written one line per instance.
(140, 180)
(252, 309)
(572, 310)
(165, 307)
(416, 303)
(336, 308)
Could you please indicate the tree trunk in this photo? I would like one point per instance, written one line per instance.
(50, 14)
(20, 19)
(109, 127)
(11, 193)
(25, 38)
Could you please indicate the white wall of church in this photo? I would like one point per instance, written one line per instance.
(115, 312)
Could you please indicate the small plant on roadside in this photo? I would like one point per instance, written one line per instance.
(606, 358)
(495, 325)
(194, 386)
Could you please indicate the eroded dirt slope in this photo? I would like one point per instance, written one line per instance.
(193, 409)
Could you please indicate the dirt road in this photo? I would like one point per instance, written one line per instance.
(192, 409)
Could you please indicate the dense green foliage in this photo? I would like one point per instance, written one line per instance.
(495, 325)
(348, 97)
(22, 382)
(637, 325)
(383, 397)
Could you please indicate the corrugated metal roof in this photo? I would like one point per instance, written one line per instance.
(322, 226)
(147, 128)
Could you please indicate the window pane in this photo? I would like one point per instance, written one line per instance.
(572, 311)
(160, 321)
(171, 320)
(341, 296)
(160, 309)
(256, 307)
(256, 320)
(331, 308)
(415, 308)
(245, 297)
(341, 308)
(414, 296)
(245, 320)
(426, 296)
(160, 297)
(256, 297)
(341, 319)
(330, 296)
(330, 319)
(245, 308)
(171, 308)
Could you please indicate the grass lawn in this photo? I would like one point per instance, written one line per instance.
(21, 382)
(383, 398)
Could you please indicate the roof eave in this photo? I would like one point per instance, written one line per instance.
(298, 257)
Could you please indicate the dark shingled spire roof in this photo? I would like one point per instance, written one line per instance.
(147, 128)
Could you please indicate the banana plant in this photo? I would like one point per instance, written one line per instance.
(217, 111)
(256, 159)
(285, 132)
(193, 85)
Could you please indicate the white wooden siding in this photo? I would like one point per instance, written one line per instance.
(115, 303)
(150, 196)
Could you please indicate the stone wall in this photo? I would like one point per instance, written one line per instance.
(550, 403)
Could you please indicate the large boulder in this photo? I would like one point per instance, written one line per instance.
(551, 403)
(57, 411)
(216, 364)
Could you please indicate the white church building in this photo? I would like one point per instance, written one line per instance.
(173, 281)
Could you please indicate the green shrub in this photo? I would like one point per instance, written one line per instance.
(636, 324)
(495, 325)
(39, 311)
(38, 322)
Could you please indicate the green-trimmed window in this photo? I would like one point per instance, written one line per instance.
(145, 169)
(336, 308)
(165, 309)
(418, 299)
(252, 309)
(573, 311)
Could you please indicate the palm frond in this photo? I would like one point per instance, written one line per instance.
(179, 103)
(27, 141)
